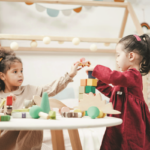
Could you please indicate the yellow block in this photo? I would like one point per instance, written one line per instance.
(78, 110)
(91, 82)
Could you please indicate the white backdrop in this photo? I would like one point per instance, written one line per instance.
(43, 67)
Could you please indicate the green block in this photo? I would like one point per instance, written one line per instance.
(89, 89)
(5, 118)
(45, 103)
(86, 114)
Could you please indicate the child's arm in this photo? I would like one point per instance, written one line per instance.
(104, 88)
(127, 78)
(58, 85)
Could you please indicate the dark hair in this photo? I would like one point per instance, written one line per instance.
(131, 44)
(7, 57)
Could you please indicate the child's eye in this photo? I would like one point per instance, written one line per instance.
(15, 71)
(21, 71)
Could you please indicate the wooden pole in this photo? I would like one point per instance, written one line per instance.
(140, 32)
(123, 23)
(63, 39)
(74, 2)
(63, 50)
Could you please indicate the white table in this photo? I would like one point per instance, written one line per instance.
(56, 127)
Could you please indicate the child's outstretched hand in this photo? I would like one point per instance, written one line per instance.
(13, 97)
(74, 69)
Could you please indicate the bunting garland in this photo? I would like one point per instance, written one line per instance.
(52, 12)
(55, 12)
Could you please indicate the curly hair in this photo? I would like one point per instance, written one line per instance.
(8, 57)
(131, 44)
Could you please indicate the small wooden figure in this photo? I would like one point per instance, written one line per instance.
(9, 107)
(71, 114)
(84, 63)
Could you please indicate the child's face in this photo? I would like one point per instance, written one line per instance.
(14, 76)
(122, 58)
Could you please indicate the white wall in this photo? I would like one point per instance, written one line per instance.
(43, 67)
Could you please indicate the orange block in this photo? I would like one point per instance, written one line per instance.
(83, 82)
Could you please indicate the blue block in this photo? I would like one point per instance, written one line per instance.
(90, 75)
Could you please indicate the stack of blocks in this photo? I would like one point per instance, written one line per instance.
(87, 85)
(9, 106)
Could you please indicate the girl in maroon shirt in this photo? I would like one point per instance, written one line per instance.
(133, 58)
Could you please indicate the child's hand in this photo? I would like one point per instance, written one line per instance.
(74, 70)
(13, 96)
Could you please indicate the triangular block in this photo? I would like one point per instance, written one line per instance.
(45, 103)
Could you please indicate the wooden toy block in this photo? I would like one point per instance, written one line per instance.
(2, 103)
(83, 82)
(83, 63)
(9, 100)
(81, 89)
(71, 114)
(86, 114)
(54, 103)
(90, 75)
(64, 109)
(23, 115)
(52, 114)
(89, 89)
(9, 110)
(91, 100)
(45, 105)
(91, 82)
(5, 118)
(80, 96)
(78, 110)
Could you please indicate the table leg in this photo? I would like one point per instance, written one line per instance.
(57, 140)
(75, 139)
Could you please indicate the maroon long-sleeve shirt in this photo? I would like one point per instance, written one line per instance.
(127, 97)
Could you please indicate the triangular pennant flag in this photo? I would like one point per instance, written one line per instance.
(52, 12)
(66, 12)
(87, 7)
(28, 3)
(39, 8)
(77, 10)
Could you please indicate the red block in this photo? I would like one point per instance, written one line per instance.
(9, 100)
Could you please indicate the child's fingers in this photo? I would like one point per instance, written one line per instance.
(76, 65)
(13, 96)
(79, 69)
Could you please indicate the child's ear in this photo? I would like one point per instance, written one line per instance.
(131, 56)
(2, 76)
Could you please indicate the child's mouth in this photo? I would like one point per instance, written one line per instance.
(20, 80)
